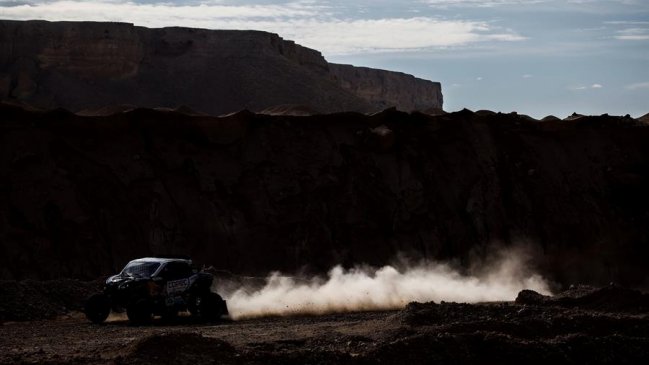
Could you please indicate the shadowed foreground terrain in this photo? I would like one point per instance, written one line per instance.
(251, 193)
(582, 325)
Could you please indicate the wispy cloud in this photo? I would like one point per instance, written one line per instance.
(494, 3)
(633, 34)
(627, 22)
(584, 87)
(307, 22)
(150, 12)
(629, 30)
(638, 86)
(481, 4)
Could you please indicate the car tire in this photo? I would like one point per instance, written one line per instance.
(139, 312)
(97, 308)
(212, 307)
(169, 315)
(192, 306)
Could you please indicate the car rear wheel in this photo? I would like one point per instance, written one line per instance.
(169, 315)
(97, 308)
(139, 312)
(211, 307)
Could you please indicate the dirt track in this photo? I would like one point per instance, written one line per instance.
(421, 333)
(74, 339)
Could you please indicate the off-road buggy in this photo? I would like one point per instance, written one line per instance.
(157, 286)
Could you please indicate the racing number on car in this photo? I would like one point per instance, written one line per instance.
(177, 286)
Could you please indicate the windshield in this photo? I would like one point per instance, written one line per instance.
(140, 269)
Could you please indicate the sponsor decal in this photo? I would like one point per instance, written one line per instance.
(177, 286)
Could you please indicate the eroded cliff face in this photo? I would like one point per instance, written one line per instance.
(86, 65)
(389, 89)
(250, 193)
(90, 51)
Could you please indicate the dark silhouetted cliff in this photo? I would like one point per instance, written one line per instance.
(386, 89)
(89, 65)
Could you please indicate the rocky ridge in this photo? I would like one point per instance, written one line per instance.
(89, 65)
(386, 89)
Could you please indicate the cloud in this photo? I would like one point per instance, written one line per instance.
(306, 22)
(527, 76)
(583, 87)
(153, 13)
(480, 4)
(336, 36)
(638, 86)
(479, 78)
(633, 34)
(626, 22)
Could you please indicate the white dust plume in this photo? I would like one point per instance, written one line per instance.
(361, 289)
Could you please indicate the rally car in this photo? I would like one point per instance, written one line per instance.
(157, 286)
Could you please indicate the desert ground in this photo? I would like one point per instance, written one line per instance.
(608, 325)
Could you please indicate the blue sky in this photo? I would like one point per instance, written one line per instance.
(536, 57)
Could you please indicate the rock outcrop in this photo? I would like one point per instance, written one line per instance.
(386, 89)
(251, 193)
(90, 65)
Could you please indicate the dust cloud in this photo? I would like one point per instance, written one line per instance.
(388, 287)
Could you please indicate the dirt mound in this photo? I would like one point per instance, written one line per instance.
(425, 314)
(184, 109)
(29, 300)
(550, 118)
(527, 118)
(573, 117)
(489, 347)
(531, 297)
(644, 119)
(434, 111)
(289, 109)
(179, 348)
(107, 110)
(511, 333)
(612, 298)
(485, 113)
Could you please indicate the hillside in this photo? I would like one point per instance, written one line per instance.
(253, 193)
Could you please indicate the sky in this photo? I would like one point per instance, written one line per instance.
(536, 57)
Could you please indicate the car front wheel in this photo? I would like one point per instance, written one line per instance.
(97, 308)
